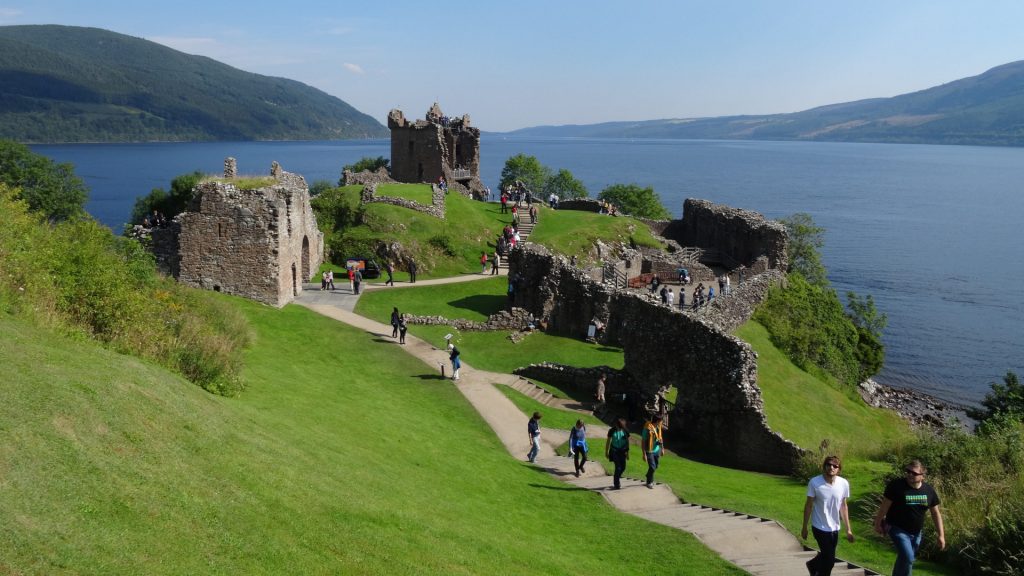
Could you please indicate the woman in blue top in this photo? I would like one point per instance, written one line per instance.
(578, 446)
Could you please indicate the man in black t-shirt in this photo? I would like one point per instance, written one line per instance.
(901, 515)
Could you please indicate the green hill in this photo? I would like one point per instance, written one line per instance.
(343, 456)
(72, 84)
(987, 109)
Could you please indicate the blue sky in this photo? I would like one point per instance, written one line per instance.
(526, 63)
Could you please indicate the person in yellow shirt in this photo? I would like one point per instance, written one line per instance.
(651, 442)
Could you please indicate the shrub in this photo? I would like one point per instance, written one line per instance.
(444, 243)
(51, 189)
(636, 201)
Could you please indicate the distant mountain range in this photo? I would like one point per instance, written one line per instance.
(987, 109)
(71, 84)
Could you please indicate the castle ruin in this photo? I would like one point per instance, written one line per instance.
(425, 150)
(261, 244)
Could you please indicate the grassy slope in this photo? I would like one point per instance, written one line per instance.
(422, 193)
(341, 457)
(572, 232)
(484, 350)
(806, 410)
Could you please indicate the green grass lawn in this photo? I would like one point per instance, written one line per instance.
(806, 410)
(421, 193)
(551, 417)
(573, 232)
(343, 456)
(474, 300)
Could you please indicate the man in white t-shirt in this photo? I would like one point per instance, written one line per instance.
(826, 508)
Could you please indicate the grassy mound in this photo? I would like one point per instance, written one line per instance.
(574, 233)
(343, 456)
(807, 410)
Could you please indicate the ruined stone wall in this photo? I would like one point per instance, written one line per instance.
(425, 150)
(260, 244)
(436, 209)
(581, 204)
(742, 235)
(719, 411)
(381, 176)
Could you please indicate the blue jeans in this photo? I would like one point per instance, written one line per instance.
(534, 449)
(652, 464)
(906, 550)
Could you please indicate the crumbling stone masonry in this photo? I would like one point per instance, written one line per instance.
(425, 150)
(719, 411)
(261, 244)
(741, 237)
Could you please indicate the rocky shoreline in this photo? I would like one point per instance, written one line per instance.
(918, 408)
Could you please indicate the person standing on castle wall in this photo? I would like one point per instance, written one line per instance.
(390, 269)
(616, 450)
(728, 287)
(682, 298)
(826, 508)
(357, 279)
(395, 318)
(483, 262)
(711, 294)
(669, 298)
(651, 441)
(721, 285)
(412, 271)
(664, 295)
(495, 263)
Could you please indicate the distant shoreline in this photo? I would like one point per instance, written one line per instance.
(918, 408)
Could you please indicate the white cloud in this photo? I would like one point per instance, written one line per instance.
(9, 15)
(339, 30)
(354, 68)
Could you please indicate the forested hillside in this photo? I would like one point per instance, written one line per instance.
(987, 109)
(71, 84)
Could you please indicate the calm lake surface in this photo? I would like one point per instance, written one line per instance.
(932, 232)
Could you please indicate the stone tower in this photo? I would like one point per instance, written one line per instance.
(424, 150)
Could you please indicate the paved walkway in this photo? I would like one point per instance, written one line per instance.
(758, 545)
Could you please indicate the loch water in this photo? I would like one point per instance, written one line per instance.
(933, 233)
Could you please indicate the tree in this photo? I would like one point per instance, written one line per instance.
(805, 239)
(1005, 401)
(170, 204)
(565, 185)
(636, 201)
(48, 188)
(869, 323)
(526, 169)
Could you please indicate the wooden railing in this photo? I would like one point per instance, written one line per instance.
(461, 174)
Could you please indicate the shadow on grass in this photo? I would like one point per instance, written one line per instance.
(432, 377)
(485, 304)
(560, 488)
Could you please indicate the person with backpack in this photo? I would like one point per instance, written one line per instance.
(616, 450)
(578, 446)
(401, 329)
(651, 442)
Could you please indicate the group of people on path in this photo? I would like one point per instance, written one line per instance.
(901, 514)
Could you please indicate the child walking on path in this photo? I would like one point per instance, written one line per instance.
(578, 445)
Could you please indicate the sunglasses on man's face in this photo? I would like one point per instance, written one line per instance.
(914, 472)
(831, 465)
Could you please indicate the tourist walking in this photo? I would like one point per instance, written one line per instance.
(578, 446)
(454, 356)
(483, 262)
(651, 441)
(412, 271)
(495, 263)
(357, 279)
(352, 279)
(395, 318)
(901, 515)
(616, 450)
(323, 281)
(826, 508)
(533, 429)
(330, 279)
(402, 327)
(390, 269)
(504, 202)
